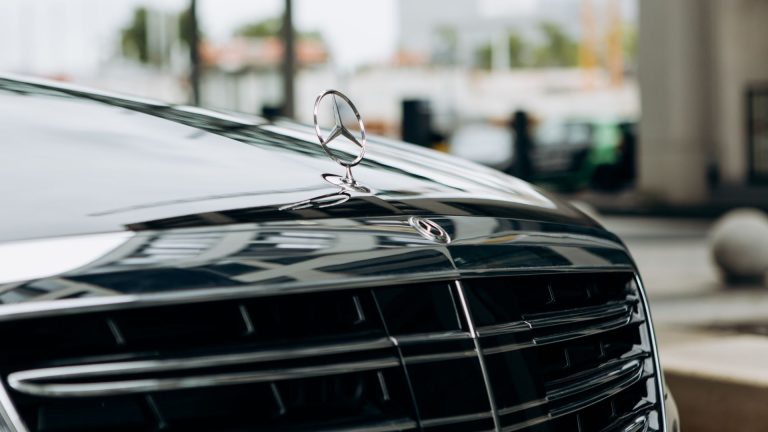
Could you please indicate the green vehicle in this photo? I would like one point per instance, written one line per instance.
(572, 154)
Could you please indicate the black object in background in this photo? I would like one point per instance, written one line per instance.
(416, 126)
(521, 126)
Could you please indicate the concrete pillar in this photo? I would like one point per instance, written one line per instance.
(741, 47)
(676, 127)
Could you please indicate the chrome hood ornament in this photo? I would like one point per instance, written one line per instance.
(339, 130)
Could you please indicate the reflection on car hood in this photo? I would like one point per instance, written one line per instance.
(78, 162)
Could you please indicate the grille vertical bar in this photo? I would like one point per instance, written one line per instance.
(480, 356)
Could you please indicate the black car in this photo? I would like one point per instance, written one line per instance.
(168, 268)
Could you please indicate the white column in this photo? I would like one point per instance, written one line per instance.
(676, 128)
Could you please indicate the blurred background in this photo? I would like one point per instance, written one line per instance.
(650, 114)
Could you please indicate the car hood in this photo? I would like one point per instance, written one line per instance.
(80, 162)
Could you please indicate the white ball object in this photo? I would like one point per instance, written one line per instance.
(739, 243)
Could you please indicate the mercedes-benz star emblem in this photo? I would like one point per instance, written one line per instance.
(429, 229)
(340, 130)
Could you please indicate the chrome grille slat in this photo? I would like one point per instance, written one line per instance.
(621, 373)
(576, 406)
(595, 328)
(583, 381)
(455, 419)
(623, 380)
(633, 421)
(150, 366)
(386, 426)
(27, 381)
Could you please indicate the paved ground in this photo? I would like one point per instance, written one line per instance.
(672, 254)
(683, 285)
(718, 374)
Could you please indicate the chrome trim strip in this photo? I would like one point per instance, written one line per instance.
(601, 371)
(579, 383)
(426, 358)
(639, 425)
(384, 426)
(480, 356)
(455, 419)
(600, 327)
(655, 347)
(151, 366)
(573, 316)
(626, 422)
(522, 406)
(505, 328)
(417, 338)
(129, 301)
(9, 414)
(581, 404)
(585, 381)
(24, 381)
(548, 319)
(624, 378)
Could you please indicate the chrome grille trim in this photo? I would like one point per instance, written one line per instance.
(584, 381)
(455, 419)
(8, 412)
(619, 377)
(630, 421)
(620, 373)
(386, 426)
(431, 337)
(576, 406)
(483, 368)
(27, 381)
(655, 353)
(180, 364)
(575, 316)
(439, 357)
(564, 336)
(68, 306)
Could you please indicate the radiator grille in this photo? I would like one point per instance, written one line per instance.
(551, 352)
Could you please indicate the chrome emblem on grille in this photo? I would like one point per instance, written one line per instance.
(429, 230)
(339, 129)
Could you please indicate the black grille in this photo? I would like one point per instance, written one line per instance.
(558, 352)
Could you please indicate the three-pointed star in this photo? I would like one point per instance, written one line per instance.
(339, 128)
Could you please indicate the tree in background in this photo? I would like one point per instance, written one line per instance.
(518, 50)
(134, 37)
(185, 27)
(445, 48)
(558, 50)
(517, 47)
(271, 27)
(484, 57)
(266, 28)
